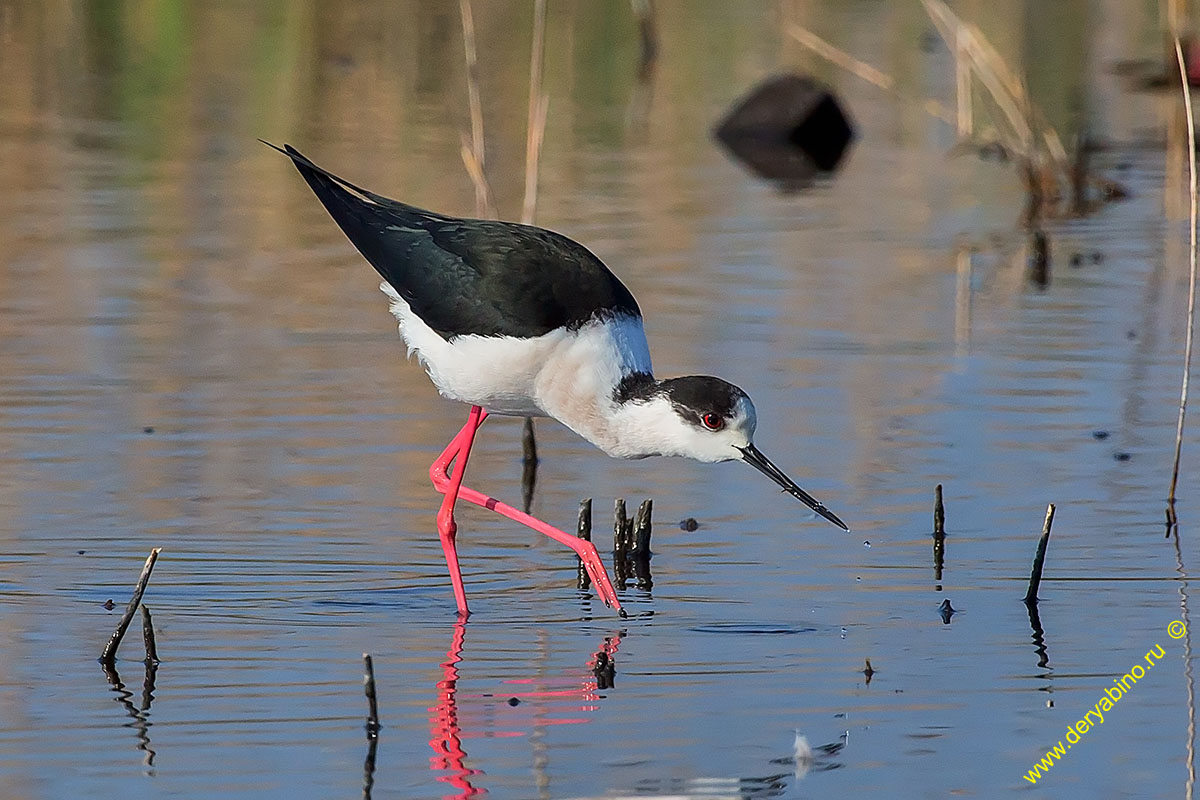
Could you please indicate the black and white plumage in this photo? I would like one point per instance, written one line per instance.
(523, 321)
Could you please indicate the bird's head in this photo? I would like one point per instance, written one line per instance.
(709, 419)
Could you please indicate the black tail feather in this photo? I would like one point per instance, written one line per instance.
(305, 165)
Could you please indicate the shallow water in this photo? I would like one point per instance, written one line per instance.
(193, 358)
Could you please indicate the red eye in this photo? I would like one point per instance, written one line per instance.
(713, 422)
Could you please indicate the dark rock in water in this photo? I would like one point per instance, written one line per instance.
(788, 129)
(513, 701)
(1122, 456)
(1100, 435)
(689, 524)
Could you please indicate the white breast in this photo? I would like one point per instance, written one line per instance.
(568, 375)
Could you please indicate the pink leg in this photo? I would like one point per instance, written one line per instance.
(458, 450)
(452, 488)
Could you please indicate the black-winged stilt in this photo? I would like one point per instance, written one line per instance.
(523, 321)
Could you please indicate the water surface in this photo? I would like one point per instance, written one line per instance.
(192, 357)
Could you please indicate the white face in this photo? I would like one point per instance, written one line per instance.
(660, 428)
(713, 437)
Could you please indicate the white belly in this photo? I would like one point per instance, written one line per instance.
(562, 374)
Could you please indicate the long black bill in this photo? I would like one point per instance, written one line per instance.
(754, 457)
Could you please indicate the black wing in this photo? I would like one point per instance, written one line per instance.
(467, 276)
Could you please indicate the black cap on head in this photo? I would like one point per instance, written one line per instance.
(694, 396)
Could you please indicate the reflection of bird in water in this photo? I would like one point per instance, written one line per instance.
(522, 321)
(535, 704)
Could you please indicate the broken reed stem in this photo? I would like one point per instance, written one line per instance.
(641, 528)
(474, 155)
(1026, 132)
(962, 77)
(484, 206)
(641, 545)
(939, 533)
(620, 543)
(529, 464)
(539, 104)
(939, 512)
(1039, 245)
(529, 443)
(473, 149)
(1003, 86)
(648, 31)
(1039, 560)
(863, 70)
(109, 656)
(148, 637)
(539, 107)
(1191, 316)
(373, 725)
(584, 531)
(630, 541)
(840, 57)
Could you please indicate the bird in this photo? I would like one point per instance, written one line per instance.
(518, 320)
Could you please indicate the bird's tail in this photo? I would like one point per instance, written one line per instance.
(319, 176)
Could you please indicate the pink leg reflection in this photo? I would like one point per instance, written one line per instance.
(446, 722)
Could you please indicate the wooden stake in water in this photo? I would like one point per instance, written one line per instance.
(939, 512)
(641, 545)
(110, 650)
(1039, 560)
(939, 534)
(584, 531)
(373, 725)
(148, 637)
(620, 543)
